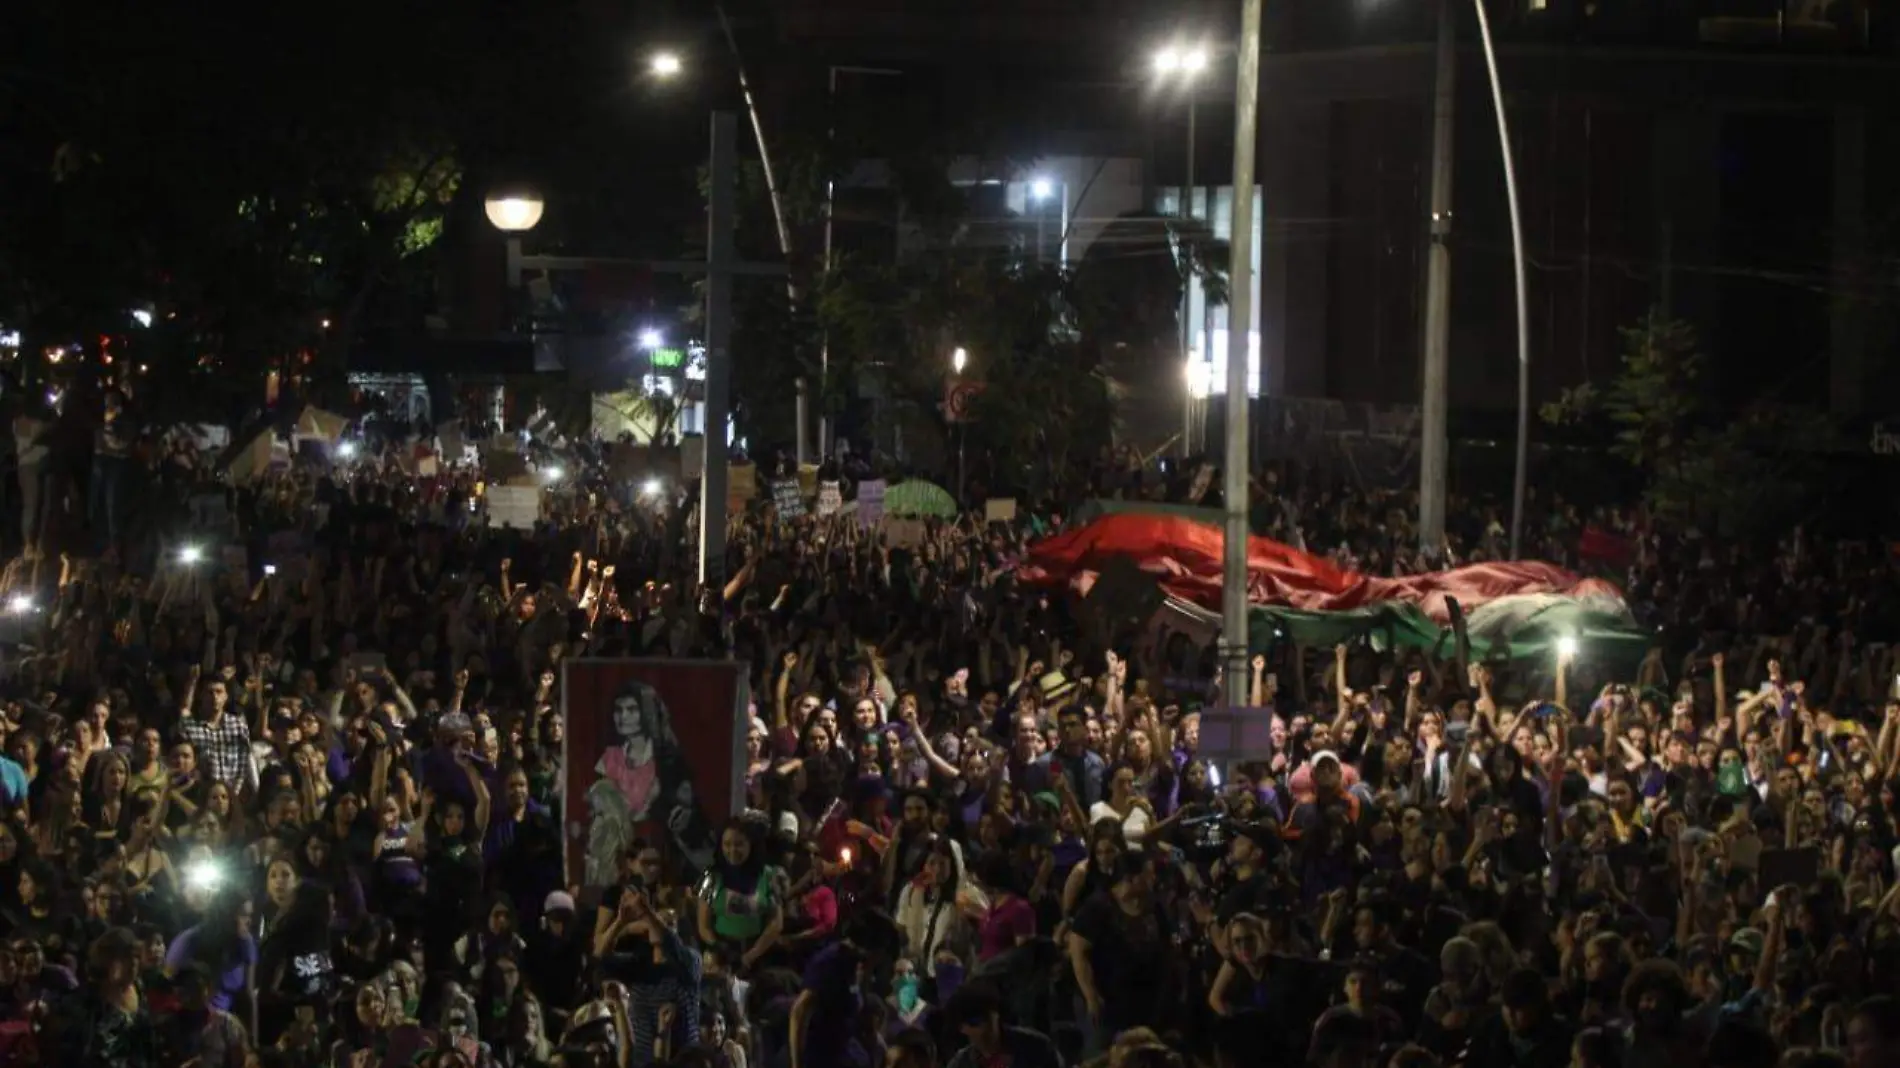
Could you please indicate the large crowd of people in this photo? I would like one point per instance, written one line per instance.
(284, 786)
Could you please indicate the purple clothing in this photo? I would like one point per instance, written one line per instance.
(438, 770)
(227, 983)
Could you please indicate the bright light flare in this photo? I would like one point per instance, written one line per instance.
(204, 875)
(345, 449)
(1042, 188)
(20, 604)
(191, 555)
(959, 360)
(651, 339)
(555, 473)
(1567, 647)
(1174, 60)
(651, 487)
(667, 64)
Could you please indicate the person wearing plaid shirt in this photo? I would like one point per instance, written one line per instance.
(223, 741)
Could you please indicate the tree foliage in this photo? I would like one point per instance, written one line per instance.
(244, 180)
(1736, 471)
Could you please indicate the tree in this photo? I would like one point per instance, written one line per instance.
(1726, 470)
(264, 188)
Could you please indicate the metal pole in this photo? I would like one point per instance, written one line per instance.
(1187, 296)
(961, 434)
(1434, 461)
(1062, 243)
(1239, 330)
(824, 343)
(1188, 208)
(783, 225)
(720, 220)
(1523, 294)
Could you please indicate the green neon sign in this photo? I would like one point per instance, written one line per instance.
(668, 358)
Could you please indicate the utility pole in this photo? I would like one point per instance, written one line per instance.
(1523, 282)
(1434, 453)
(720, 220)
(1234, 574)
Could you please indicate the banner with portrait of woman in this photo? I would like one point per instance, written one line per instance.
(654, 752)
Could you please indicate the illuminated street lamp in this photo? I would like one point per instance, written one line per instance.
(1178, 59)
(651, 339)
(666, 65)
(515, 211)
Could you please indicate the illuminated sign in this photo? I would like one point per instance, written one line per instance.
(667, 358)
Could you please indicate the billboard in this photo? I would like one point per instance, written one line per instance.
(654, 751)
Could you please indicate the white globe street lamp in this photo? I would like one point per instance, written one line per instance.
(514, 212)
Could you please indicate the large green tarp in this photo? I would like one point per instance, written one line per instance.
(1511, 628)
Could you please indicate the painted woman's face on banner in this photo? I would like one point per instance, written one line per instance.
(628, 722)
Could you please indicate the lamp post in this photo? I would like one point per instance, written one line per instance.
(1041, 188)
(959, 359)
(1435, 450)
(1234, 572)
(514, 211)
(823, 442)
(1184, 64)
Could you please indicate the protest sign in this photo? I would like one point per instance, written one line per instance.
(829, 499)
(314, 422)
(742, 482)
(870, 502)
(999, 510)
(628, 462)
(905, 533)
(788, 497)
(514, 507)
(253, 461)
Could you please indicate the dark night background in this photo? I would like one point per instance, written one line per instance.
(1717, 158)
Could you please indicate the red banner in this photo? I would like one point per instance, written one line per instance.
(655, 752)
(1186, 556)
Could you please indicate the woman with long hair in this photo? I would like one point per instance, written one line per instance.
(318, 857)
(108, 786)
(1106, 846)
(223, 945)
(281, 879)
(294, 963)
(739, 904)
(937, 909)
(642, 788)
(148, 868)
(452, 876)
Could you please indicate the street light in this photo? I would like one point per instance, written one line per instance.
(651, 339)
(513, 212)
(959, 359)
(1180, 59)
(1042, 189)
(1185, 63)
(666, 65)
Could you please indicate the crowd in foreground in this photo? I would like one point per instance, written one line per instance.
(310, 813)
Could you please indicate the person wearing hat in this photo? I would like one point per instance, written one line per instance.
(556, 955)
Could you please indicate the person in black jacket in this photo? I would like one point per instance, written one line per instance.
(1527, 1034)
(106, 1025)
(976, 1010)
